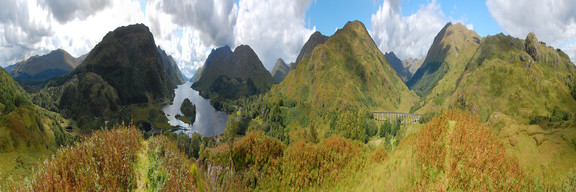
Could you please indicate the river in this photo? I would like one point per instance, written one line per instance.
(209, 121)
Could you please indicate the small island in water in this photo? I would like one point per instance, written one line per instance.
(189, 111)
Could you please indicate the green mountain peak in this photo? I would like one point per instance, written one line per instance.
(446, 60)
(347, 70)
(54, 64)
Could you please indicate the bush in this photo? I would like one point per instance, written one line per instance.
(308, 164)
(102, 162)
(351, 125)
(385, 128)
(189, 145)
(257, 151)
(371, 128)
(169, 168)
(477, 159)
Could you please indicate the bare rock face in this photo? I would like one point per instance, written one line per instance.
(531, 46)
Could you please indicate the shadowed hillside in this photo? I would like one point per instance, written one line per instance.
(315, 39)
(232, 75)
(125, 68)
(39, 68)
(398, 66)
(280, 70)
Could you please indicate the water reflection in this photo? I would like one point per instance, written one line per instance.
(209, 121)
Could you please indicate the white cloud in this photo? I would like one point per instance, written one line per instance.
(79, 36)
(30, 28)
(66, 10)
(214, 19)
(553, 21)
(185, 29)
(23, 25)
(273, 28)
(408, 36)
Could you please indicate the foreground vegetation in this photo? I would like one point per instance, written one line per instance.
(119, 159)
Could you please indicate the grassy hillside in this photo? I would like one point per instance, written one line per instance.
(524, 79)
(526, 86)
(315, 39)
(27, 133)
(445, 62)
(39, 68)
(232, 75)
(524, 92)
(347, 70)
(332, 92)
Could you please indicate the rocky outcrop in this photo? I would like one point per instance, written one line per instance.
(532, 46)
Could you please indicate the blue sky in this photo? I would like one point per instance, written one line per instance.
(328, 15)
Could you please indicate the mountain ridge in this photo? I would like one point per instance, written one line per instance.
(317, 78)
(232, 75)
(398, 66)
(280, 70)
(56, 63)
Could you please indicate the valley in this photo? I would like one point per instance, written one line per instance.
(209, 122)
(476, 112)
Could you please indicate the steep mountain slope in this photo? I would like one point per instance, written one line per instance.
(10, 67)
(53, 64)
(233, 74)
(125, 68)
(348, 69)
(280, 70)
(523, 91)
(523, 79)
(128, 59)
(26, 131)
(315, 39)
(197, 74)
(216, 56)
(413, 64)
(171, 68)
(398, 66)
(445, 62)
(80, 59)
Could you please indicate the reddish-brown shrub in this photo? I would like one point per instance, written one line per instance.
(103, 162)
(307, 164)
(467, 153)
(258, 151)
(379, 155)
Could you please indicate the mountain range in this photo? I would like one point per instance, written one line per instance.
(45, 67)
(232, 75)
(495, 73)
(125, 68)
(495, 113)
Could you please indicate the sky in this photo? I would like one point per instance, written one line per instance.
(189, 29)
